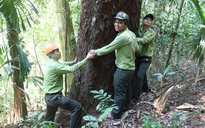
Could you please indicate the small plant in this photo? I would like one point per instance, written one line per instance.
(161, 76)
(178, 117)
(104, 107)
(148, 122)
(36, 123)
(104, 98)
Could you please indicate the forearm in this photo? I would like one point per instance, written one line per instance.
(69, 63)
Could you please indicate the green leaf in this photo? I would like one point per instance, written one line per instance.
(105, 113)
(9, 69)
(35, 126)
(92, 125)
(101, 91)
(170, 73)
(5, 4)
(159, 78)
(22, 23)
(176, 114)
(105, 94)
(199, 9)
(199, 50)
(36, 80)
(94, 92)
(20, 119)
(97, 96)
(89, 118)
(109, 96)
(98, 106)
(1, 55)
(167, 69)
(41, 116)
(25, 66)
(33, 114)
(48, 126)
(157, 74)
(49, 123)
(33, 7)
(100, 98)
(9, 61)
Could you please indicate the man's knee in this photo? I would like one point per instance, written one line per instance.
(78, 106)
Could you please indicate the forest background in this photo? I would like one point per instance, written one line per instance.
(29, 25)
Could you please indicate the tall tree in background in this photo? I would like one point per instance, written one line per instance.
(15, 13)
(96, 30)
(174, 34)
(66, 35)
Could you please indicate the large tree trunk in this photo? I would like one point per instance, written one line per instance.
(97, 30)
(19, 109)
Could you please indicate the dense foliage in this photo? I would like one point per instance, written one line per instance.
(189, 40)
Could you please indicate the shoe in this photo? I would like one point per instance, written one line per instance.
(150, 90)
(109, 116)
(133, 102)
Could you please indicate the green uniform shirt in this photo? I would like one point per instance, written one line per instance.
(146, 42)
(53, 76)
(125, 46)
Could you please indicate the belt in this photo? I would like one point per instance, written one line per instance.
(53, 93)
(148, 57)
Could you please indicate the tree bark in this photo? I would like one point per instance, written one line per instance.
(19, 109)
(96, 30)
(66, 36)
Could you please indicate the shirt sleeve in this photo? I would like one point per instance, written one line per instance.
(147, 37)
(69, 63)
(117, 43)
(63, 69)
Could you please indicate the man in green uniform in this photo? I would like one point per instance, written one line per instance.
(143, 57)
(53, 85)
(125, 47)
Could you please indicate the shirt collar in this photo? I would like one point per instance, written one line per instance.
(123, 31)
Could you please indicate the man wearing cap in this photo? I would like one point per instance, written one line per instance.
(53, 85)
(143, 57)
(125, 47)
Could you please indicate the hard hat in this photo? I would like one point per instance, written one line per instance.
(50, 47)
(150, 16)
(122, 15)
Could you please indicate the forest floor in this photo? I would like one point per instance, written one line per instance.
(144, 115)
(190, 115)
(190, 93)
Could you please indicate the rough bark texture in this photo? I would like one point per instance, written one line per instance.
(19, 109)
(66, 33)
(96, 30)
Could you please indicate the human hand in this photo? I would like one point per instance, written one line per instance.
(90, 55)
(75, 61)
(92, 51)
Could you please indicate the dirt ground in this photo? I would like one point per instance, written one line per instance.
(144, 115)
(174, 115)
